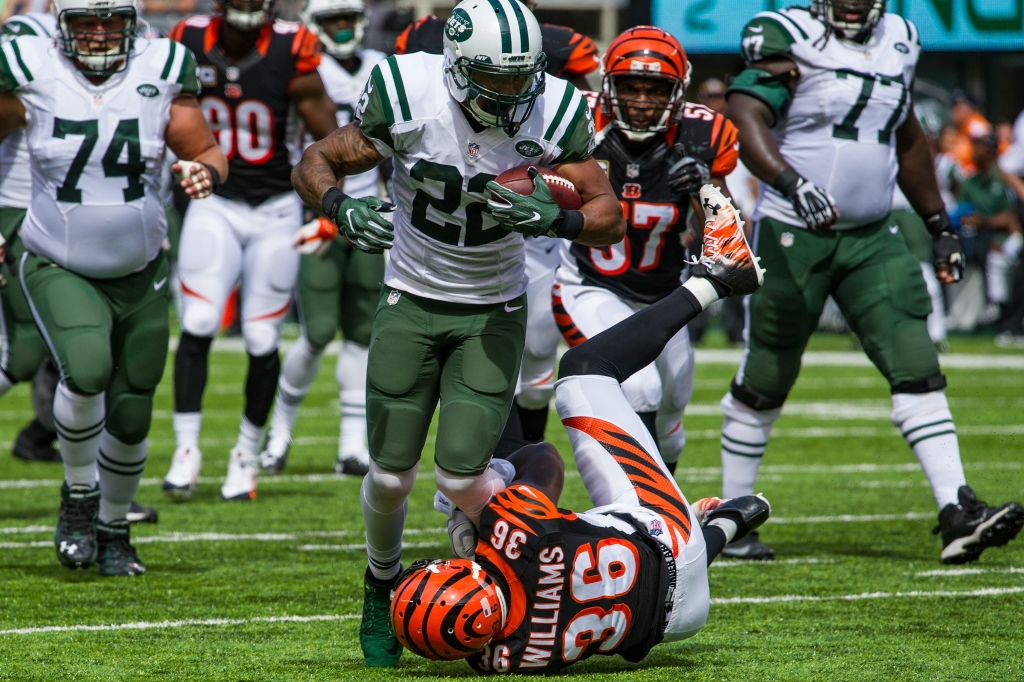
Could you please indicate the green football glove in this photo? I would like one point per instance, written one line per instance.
(533, 215)
(360, 220)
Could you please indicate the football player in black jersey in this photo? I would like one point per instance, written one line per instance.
(254, 72)
(571, 55)
(550, 587)
(658, 150)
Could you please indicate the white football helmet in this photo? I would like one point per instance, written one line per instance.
(343, 43)
(494, 61)
(850, 19)
(247, 15)
(94, 51)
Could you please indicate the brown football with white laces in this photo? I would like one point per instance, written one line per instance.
(562, 190)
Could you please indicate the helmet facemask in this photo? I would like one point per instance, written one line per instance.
(100, 41)
(247, 15)
(340, 32)
(643, 104)
(850, 19)
(500, 96)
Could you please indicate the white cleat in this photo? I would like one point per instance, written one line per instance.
(243, 474)
(180, 481)
(274, 455)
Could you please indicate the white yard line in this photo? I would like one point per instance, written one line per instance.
(236, 537)
(362, 547)
(733, 563)
(783, 598)
(858, 359)
(162, 625)
(851, 518)
(942, 572)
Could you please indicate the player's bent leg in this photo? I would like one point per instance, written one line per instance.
(675, 368)
(350, 373)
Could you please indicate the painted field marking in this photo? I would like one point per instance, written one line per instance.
(362, 547)
(231, 537)
(941, 572)
(26, 529)
(732, 563)
(852, 518)
(916, 594)
(161, 625)
(858, 359)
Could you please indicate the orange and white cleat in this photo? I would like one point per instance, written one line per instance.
(243, 475)
(727, 257)
(315, 236)
(702, 506)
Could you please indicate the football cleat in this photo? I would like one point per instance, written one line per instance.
(274, 456)
(381, 648)
(35, 444)
(180, 481)
(748, 512)
(140, 514)
(750, 548)
(116, 555)
(75, 538)
(243, 474)
(353, 465)
(972, 526)
(726, 257)
(702, 506)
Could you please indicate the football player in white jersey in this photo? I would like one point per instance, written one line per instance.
(450, 322)
(100, 106)
(826, 119)
(338, 284)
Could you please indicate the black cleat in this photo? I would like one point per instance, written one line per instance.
(75, 538)
(749, 548)
(351, 467)
(35, 444)
(116, 555)
(726, 258)
(748, 512)
(139, 514)
(971, 526)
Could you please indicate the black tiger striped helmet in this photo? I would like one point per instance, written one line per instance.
(446, 609)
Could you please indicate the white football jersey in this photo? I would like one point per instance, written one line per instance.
(97, 152)
(15, 177)
(839, 130)
(344, 89)
(447, 246)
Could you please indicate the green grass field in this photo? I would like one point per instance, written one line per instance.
(272, 590)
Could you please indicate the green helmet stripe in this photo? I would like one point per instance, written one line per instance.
(562, 106)
(403, 100)
(506, 34)
(382, 93)
(17, 55)
(170, 62)
(524, 34)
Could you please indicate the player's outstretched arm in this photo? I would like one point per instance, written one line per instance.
(189, 137)
(12, 113)
(541, 467)
(314, 105)
(346, 151)
(603, 222)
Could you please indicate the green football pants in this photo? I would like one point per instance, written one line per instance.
(339, 289)
(915, 234)
(21, 348)
(423, 351)
(875, 280)
(106, 335)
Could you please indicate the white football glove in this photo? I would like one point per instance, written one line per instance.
(462, 534)
(195, 178)
(814, 205)
(315, 236)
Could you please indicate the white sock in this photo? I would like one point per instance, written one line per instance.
(186, 429)
(351, 375)
(383, 498)
(728, 527)
(469, 493)
(249, 436)
(301, 365)
(703, 290)
(5, 381)
(121, 468)
(926, 423)
(745, 433)
(79, 420)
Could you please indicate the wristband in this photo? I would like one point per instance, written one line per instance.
(331, 201)
(938, 223)
(568, 224)
(786, 182)
(214, 177)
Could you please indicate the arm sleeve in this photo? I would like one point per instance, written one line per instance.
(374, 113)
(306, 49)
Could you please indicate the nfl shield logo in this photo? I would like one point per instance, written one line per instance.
(394, 296)
(473, 149)
(787, 239)
(633, 170)
(656, 528)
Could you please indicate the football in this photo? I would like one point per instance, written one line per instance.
(562, 190)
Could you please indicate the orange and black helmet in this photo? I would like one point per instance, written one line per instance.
(648, 52)
(446, 609)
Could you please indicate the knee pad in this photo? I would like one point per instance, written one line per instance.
(386, 491)
(469, 493)
(643, 390)
(88, 363)
(671, 436)
(350, 372)
(319, 330)
(261, 337)
(128, 417)
(536, 397)
(200, 318)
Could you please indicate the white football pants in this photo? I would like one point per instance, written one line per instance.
(537, 373)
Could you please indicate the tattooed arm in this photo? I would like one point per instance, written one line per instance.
(346, 151)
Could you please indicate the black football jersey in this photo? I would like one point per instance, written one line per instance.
(575, 587)
(247, 103)
(647, 264)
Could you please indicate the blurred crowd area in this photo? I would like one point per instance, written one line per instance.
(976, 132)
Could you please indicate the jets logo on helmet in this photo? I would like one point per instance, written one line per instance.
(339, 24)
(494, 62)
(247, 15)
(644, 52)
(850, 19)
(97, 35)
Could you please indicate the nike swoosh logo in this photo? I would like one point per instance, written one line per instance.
(550, 248)
(535, 218)
(512, 310)
(755, 29)
(157, 286)
(894, 229)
